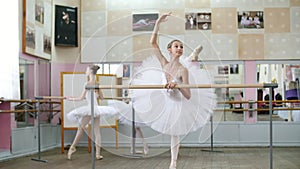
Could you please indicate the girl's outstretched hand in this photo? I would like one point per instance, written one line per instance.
(68, 98)
(163, 18)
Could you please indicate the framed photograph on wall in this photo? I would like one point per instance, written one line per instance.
(234, 69)
(198, 21)
(223, 70)
(66, 31)
(126, 70)
(144, 21)
(250, 19)
(39, 12)
(191, 21)
(37, 28)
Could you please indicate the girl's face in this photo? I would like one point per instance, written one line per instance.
(176, 48)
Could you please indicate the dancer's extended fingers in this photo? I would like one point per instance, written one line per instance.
(167, 86)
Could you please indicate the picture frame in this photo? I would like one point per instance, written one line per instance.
(37, 28)
(126, 70)
(234, 68)
(250, 19)
(198, 21)
(66, 26)
(223, 70)
(144, 21)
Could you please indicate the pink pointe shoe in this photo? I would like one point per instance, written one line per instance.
(70, 152)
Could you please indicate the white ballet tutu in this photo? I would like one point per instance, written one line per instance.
(125, 113)
(168, 111)
(76, 114)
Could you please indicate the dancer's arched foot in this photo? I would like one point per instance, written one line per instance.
(146, 149)
(99, 157)
(195, 53)
(70, 152)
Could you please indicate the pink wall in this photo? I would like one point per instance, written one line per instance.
(44, 79)
(250, 93)
(30, 84)
(5, 127)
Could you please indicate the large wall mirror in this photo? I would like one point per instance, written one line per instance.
(287, 76)
(34, 81)
(227, 73)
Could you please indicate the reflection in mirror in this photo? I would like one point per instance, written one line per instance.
(34, 81)
(43, 75)
(227, 73)
(26, 69)
(287, 76)
(27, 85)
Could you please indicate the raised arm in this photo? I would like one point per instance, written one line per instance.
(153, 39)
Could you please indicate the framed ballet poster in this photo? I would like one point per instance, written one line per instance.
(66, 30)
(144, 21)
(37, 28)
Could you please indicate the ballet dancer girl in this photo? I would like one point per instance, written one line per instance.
(82, 115)
(174, 112)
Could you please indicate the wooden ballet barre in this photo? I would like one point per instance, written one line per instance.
(50, 97)
(259, 101)
(259, 109)
(231, 102)
(263, 85)
(27, 100)
(62, 97)
(26, 111)
(15, 100)
(116, 98)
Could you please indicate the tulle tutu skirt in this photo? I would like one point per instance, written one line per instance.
(76, 114)
(168, 111)
(125, 113)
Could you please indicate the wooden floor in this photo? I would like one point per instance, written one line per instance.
(189, 158)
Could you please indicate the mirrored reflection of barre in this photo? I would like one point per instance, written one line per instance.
(292, 108)
(274, 101)
(30, 106)
(28, 110)
(28, 100)
(282, 107)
